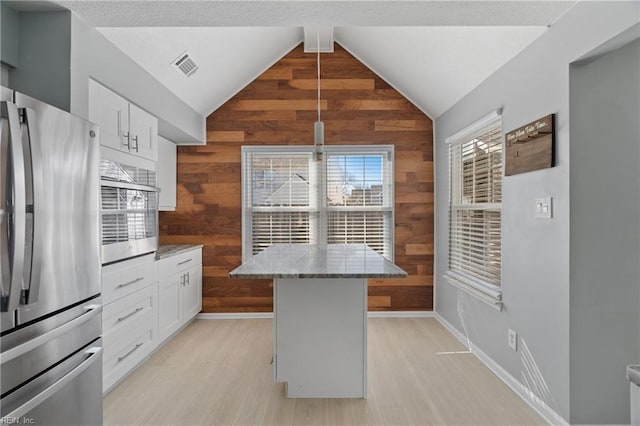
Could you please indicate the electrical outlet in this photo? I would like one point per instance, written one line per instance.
(512, 340)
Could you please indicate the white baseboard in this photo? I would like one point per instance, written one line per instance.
(262, 315)
(539, 406)
(236, 315)
(399, 314)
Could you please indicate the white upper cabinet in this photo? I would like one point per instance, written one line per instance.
(111, 112)
(123, 126)
(143, 130)
(166, 171)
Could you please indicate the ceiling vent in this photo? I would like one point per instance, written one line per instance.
(185, 64)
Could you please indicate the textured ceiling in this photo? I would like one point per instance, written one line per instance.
(215, 13)
(434, 52)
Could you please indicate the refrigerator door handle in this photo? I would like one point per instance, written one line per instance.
(33, 253)
(93, 355)
(5, 275)
(16, 220)
(90, 312)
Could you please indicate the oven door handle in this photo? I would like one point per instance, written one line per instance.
(127, 185)
(28, 406)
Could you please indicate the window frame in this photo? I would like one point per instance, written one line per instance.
(487, 292)
(320, 229)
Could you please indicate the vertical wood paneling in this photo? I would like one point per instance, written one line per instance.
(279, 107)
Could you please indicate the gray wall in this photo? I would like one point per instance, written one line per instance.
(605, 233)
(4, 76)
(8, 35)
(536, 252)
(44, 50)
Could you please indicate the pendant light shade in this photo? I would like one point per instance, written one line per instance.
(318, 133)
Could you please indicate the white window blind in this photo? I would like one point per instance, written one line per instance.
(475, 209)
(290, 198)
(279, 207)
(359, 196)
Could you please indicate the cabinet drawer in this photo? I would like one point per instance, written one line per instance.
(115, 342)
(125, 313)
(122, 278)
(120, 363)
(180, 262)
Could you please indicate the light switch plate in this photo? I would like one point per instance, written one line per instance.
(512, 340)
(543, 208)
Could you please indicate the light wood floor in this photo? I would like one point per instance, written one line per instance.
(219, 372)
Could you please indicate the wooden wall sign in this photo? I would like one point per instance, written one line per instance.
(531, 147)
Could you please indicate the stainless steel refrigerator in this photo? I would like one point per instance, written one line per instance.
(50, 345)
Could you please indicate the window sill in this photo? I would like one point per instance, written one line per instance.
(492, 298)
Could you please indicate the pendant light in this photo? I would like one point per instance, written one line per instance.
(318, 126)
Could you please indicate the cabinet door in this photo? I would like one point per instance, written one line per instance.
(143, 128)
(166, 171)
(111, 113)
(192, 293)
(169, 306)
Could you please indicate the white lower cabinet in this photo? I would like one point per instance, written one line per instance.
(130, 322)
(169, 318)
(180, 295)
(145, 302)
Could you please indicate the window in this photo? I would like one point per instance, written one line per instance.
(345, 199)
(359, 198)
(475, 209)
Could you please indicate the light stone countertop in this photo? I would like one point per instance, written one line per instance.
(633, 374)
(168, 250)
(317, 261)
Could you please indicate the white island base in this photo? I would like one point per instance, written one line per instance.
(320, 337)
(320, 314)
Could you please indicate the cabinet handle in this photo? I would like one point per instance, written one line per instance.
(130, 314)
(127, 137)
(135, 138)
(188, 279)
(122, 358)
(182, 280)
(131, 282)
(184, 261)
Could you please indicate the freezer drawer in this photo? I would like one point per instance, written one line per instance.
(43, 344)
(68, 394)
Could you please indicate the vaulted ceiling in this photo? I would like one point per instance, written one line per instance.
(433, 52)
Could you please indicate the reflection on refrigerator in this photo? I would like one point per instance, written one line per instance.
(51, 350)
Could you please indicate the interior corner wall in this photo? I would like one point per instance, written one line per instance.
(53, 54)
(44, 49)
(94, 56)
(605, 234)
(8, 35)
(536, 252)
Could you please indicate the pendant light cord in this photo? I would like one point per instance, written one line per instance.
(318, 60)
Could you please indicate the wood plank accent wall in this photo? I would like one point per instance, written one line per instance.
(279, 108)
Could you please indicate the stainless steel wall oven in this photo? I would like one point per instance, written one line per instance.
(129, 211)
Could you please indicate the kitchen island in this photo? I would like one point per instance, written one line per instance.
(320, 314)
